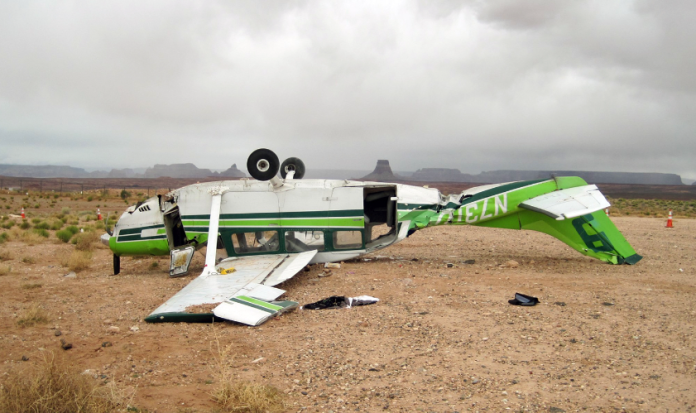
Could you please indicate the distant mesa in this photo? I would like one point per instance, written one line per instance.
(177, 170)
(382, 173)
(232, 172)
(495, 177)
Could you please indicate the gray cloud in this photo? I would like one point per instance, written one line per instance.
(474, 85)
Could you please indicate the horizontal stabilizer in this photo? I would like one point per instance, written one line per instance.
(568, 203)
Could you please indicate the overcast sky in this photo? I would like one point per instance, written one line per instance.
(474, 85)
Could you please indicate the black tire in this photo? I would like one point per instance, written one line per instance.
(290, 164)
(263, 164)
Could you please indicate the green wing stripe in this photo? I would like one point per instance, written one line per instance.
(258, 304)
(130, 231)
(281, 215)
(499, 190)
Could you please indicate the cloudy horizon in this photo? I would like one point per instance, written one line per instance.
(471, 85)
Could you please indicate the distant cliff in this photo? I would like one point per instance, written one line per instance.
(183, 170)
(43, 171)
(494, 177)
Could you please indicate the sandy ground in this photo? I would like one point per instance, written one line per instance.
(603, 338)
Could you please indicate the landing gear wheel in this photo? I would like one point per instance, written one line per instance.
(263, 164)
(292, 164)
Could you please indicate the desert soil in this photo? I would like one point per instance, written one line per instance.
(441, 339)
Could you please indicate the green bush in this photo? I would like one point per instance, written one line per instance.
(72, 229)
(41, 232)
(56, 225)
(4, 237)
(64, 235)
(42, 225)
(8, 224)
(25, 225)
(35, 220)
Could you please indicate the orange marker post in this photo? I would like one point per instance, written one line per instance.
(669, 220)
(23, 216)
(99, 217)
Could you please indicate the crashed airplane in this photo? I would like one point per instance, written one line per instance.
(266, 230)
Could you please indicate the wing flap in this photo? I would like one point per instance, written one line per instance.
(568, 203)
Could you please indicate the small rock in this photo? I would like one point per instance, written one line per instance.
(475, 381)
(135, 329)
(71, 274)
(561, 303)
(470, 262)
(65, 345)
(556, 410)
(57, 333)
(25, 358)
(113, 329)
(606, 303)
(512, 264)
(107, 344)
(108, 321)
(449, 265)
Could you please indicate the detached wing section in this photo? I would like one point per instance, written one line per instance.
(240, 289)
(568, 203)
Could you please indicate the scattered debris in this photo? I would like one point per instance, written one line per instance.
(340, 302)
(25, 358)
(65, 345)
(113, 329)
(332, 265)
(71, 274)
(560, 303)
(470, 262)
(57, 333)
(107, 344)
(258, 359)
(607, 303)
(526, 300)
(449, 265)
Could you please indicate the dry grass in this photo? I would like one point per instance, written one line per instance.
(33, 316)
(31, 286)
(52, 386)
(32, 238)
(6, 256)
(78, 261)
(86, 241)
(242, 396)
(29, 260)
(5, 270)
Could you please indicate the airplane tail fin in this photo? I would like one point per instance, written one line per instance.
(592, 234)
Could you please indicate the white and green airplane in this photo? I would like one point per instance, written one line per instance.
(266, 230)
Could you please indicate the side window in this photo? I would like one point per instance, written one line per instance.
(259, 241)
(298, 241)
(347, 240)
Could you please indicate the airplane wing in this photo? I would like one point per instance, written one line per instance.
(240, 288)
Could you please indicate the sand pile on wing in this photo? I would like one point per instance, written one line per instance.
(201, 308)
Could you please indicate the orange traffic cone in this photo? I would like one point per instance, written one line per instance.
(669, 220)
(23, 216)
(606, 211)
(99, 217)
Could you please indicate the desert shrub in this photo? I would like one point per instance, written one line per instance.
(32, 316)
(42, 232)
(32, 237)
(8, 224)
(78, 260)
(25, 225)
(31, 286)
(90, 198)
(56, 225)
(35, 220)
(85, 241)
(64, 235)
(73, 229)
(37, 206)
(5, 269)
(65, 211)
(42, 225)
(6, 255)
(54, 385)
(4, 237)
(125, 194)
(242, 396)
(28, 260)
